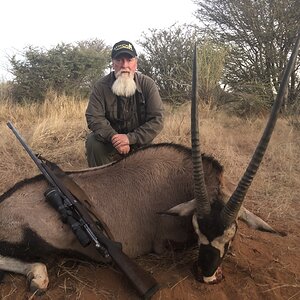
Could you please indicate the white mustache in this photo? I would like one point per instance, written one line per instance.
(123, 71)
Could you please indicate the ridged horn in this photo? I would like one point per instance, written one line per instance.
(201, 196)
(231, 209)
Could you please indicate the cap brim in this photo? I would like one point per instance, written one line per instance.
(118, 53)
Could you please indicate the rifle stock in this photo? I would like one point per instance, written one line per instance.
(141, 280)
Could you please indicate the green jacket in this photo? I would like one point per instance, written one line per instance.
(139, 116)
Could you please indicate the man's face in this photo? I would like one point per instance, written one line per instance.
(124, 63)
(125, 67)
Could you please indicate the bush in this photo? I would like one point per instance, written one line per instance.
(66, 68)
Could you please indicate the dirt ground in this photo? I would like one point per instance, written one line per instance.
(259, 266)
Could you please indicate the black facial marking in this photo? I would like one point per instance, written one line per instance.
(209, 259)
(212, 226)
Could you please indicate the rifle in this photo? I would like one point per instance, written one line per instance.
(86, 230)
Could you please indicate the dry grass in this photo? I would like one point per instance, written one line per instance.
(57, 129)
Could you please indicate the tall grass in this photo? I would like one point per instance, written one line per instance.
(57, 130)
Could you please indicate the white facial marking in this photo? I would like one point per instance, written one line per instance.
(201, 238)
(220, 242)
(210, 278)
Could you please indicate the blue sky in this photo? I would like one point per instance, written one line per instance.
(47, 23)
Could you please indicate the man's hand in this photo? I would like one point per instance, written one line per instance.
(121, 143)
(123, 149)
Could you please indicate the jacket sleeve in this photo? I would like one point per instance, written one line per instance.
(95, 115)
(145, 133)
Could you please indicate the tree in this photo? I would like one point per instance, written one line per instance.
(211, 59)
(260, 35)
(167, 57)
(66, 68)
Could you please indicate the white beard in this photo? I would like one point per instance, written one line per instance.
(124, 85)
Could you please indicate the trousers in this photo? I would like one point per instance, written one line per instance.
(99, 153)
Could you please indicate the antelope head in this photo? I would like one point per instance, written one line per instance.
(213, 221)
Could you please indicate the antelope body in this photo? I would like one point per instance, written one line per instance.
(153, 180)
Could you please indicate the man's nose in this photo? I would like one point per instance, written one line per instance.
(125, 63)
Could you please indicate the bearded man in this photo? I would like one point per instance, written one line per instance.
(125, 109)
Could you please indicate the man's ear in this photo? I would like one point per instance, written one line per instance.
(181, 210)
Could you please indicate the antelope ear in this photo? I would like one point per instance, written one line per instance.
(255, 222)
(181, 210)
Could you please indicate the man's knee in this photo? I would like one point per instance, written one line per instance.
(92, 143)
(98, 153)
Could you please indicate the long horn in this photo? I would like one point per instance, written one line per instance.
(230, 211)
(201, 196)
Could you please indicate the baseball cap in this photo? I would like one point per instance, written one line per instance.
(123, 47)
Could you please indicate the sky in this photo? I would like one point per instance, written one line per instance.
(45, 24)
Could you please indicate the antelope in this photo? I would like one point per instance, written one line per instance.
(139, 197)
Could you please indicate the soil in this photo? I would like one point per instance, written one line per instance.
(259, 266)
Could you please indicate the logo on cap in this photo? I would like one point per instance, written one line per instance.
(123, 46)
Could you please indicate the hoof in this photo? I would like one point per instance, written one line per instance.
(35, 289)
(38, 278)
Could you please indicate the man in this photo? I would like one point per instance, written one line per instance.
(125, 110)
